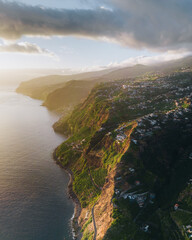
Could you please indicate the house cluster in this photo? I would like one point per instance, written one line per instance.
(151, 123)
(121, 136)
(77, 145)
(140, 198)
(141, 97)
(145, 128)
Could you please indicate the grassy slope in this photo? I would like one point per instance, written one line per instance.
(69, 95)
(82, 124)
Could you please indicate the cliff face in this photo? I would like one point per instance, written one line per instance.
(73, 93)
(89, 115)
(39, 88)
(92, 153)
(94, 168)
(110, 158)
(127, 145)
(154, 172)
(129, 150)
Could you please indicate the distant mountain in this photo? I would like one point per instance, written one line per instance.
(58, 95)
(139, 69)
(40, 87)
(127, 72)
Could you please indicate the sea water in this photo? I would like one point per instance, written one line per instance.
(33, 190)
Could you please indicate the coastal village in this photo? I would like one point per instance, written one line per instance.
(153, 106)
(177, 109)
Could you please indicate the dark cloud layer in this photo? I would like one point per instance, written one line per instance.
(165, 24)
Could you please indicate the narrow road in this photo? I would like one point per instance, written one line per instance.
(94, 223)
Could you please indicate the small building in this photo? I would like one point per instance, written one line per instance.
(145, 228)
(118, 178)
(137, 183)
(117, 191)
(132, 170)
(176, 206)
(134, 141)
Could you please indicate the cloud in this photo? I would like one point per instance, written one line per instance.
(150, 60)
(158, 25)
(24, 47)
(19, 19)
(145, 60)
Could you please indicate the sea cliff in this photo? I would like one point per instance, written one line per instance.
(118, 179)
(128, 153)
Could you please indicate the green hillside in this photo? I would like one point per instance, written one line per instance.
(74, 92)
(129, 151)
(142, 128)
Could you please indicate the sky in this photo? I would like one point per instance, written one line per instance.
(86, 35)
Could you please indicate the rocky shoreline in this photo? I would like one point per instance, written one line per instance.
(77, 210)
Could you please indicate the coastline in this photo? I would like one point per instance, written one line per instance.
(75, 227)
(77, 206)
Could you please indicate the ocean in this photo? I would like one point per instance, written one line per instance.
(33, 190)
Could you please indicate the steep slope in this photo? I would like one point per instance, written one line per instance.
(126, 186)
(70, 95)
(40, 87)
